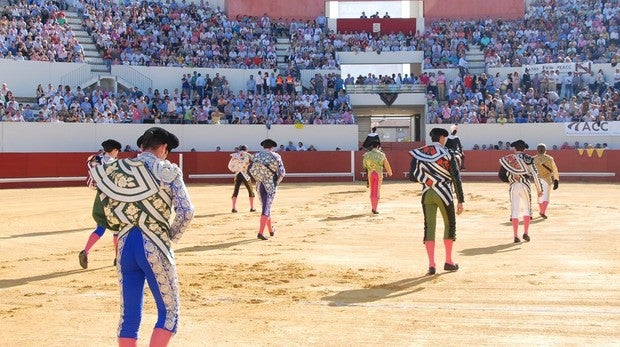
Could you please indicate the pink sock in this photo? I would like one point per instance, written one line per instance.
(252, 203)
(374, 202)
(269, 225)
(541, 208)
(263, 222)
(127, 342)
(92, 239)
(160, 337)
(234, 202)
(430, 251)
(544, 207)
(526, 224)
(515, 226)
(448, 244)
(115, 241)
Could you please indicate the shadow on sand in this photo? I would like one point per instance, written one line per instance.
(507, 247)
(8, 283)
(351, 216)
(381, 291)
(214, 246)
(46, 233)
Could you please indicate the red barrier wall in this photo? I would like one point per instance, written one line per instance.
(206, 163)
(388, 25)
(21, 170)
(309, 9)
(60, 169)
(572, 164)
(484, 165)
(300, 167)
(474, 9)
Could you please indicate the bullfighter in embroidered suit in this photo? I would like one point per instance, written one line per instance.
(519, 171)
(137, 198)
(436, 168)
(268, 171)
(549, 176)
(239, 163)
(111, 149)
(454, 144)
(374, 161)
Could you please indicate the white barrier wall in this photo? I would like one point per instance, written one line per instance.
(533, 134)
(78, 137)
(399, 57)
(23, 77)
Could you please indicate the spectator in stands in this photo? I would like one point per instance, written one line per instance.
(86, 107)
(251, 85)
(525, 46)
(290, 147)
(301, 147)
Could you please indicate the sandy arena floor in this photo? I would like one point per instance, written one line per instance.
(334, 274)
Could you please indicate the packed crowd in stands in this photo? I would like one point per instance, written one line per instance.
(198, 100)
(179, 33)
(551, 31)
(532, 98)
(269, 99)
(395, 79)
(555, 31)
(38, 30)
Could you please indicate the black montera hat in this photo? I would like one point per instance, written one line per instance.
(109, 145)
(519, 145)
(436, 132)
(157, 136)
(243, 147)
(268, 143)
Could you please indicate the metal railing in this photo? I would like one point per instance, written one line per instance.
(77, 76)
(384, 88)
(132, 76)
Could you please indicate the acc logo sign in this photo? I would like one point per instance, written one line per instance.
(587, 128)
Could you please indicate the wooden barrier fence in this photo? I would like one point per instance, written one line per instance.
(26, 170)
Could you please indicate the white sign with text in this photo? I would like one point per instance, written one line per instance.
(592, 128)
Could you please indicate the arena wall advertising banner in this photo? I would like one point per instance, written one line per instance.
(592, 128)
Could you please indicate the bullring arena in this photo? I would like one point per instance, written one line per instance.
(334, 273)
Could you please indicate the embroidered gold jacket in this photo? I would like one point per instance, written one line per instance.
(142, 192)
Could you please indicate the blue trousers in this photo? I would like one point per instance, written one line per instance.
(266, 200)
(140, 262)
(100, 230)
